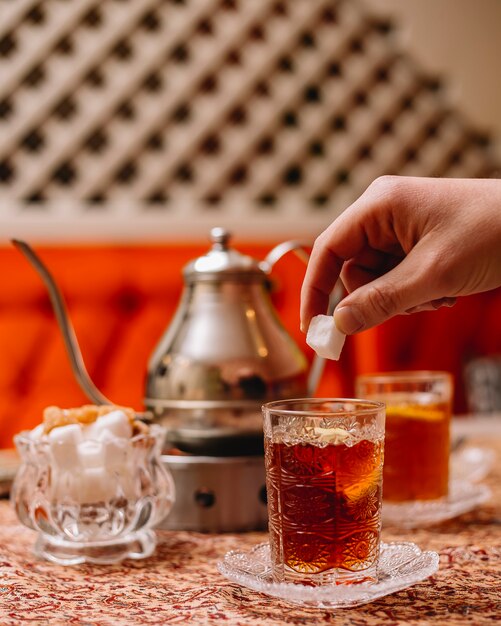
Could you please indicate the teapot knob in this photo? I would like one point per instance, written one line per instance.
(220, 237)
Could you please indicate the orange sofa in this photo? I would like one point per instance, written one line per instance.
(121, 298)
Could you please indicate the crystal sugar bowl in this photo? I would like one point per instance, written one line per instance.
(92, 500)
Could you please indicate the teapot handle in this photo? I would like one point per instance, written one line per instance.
(298, 247)
(281, 250)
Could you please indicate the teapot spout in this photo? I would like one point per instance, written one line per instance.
(70, 340)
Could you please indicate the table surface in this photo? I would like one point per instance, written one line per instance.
(181, 585)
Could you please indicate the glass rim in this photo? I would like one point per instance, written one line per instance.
(404, 376)
(367, 407)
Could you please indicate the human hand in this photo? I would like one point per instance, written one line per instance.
(406, 245)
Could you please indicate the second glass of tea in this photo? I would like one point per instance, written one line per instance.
(324, 461)
(417, 442)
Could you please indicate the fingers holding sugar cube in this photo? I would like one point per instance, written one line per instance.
(324, 337)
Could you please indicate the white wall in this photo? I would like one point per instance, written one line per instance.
(460, 39)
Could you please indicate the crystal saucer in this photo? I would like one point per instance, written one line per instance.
(471, 463)
(400, 565)
(467, 466)
(463, 496)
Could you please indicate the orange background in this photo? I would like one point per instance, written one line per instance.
(121, 298)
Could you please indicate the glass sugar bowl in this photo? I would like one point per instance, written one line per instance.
(92, 501)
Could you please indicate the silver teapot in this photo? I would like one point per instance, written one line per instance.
(224, 354)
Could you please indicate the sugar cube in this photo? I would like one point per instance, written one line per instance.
(91, 454)
(116, 451)
(37, 433)
(117, 423)
(66, 485)
(63, 442)
(91, 431)
(97, 485)
(324, 337)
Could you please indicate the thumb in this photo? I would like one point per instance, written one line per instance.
(406, 286)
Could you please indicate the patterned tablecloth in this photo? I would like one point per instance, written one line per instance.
(181, 585)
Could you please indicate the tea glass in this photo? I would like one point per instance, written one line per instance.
(99, 514)
(417, 441)
(323, 461)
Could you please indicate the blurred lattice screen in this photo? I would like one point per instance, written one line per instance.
(243, 108)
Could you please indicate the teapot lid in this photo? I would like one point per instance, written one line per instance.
(222, 262)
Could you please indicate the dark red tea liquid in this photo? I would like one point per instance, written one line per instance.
(324, 507)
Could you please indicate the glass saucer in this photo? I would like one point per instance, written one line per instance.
(467, 466)
(471, 463)
(400, 565)
(463, 496)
